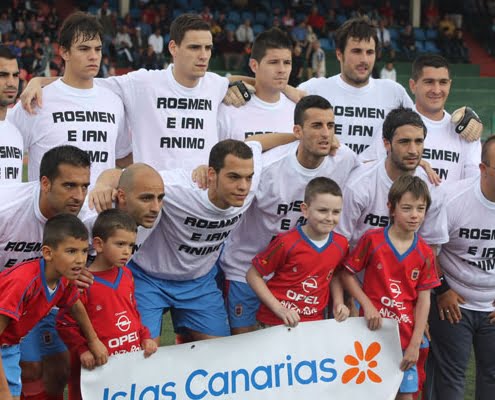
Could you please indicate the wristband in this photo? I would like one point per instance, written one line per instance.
(444, 286)
(242, 89)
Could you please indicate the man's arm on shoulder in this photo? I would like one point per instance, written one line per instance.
(270, 140)
(31, 96)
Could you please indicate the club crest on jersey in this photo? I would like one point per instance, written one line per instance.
(415, 274)
(99, 308)
(238, 310)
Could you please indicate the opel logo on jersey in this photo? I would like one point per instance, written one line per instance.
(123, 323)
(395, 289)
(309, 284)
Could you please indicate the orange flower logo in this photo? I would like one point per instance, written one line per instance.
(363, 365)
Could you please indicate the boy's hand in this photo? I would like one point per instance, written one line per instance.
(149, 346)
(410, 358)
(340, 312)
(88, 360)
(372, 317)
(99, 351)
(290, 317)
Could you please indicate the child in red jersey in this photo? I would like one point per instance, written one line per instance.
(303, 262)
(31, 289)
(110, 300)
(399, 273)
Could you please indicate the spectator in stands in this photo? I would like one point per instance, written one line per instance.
(232, 51)
(445, 43)
(144, 28)
(458, 47)
(20, 29)
(52, 22)
(388, 71)
(331, 23)
(48, 48)
(297, 70)
(298, 34)
(407, 42)
(104, 10)
(40, 64)
(432, 14)
(5, 24)
(104, 67)
(288, 21)
(149, 59)
(316, 21)
(109, 29)
(387, 13)
(27, 55)
(447, 25)
(384, 41)
(123, 43)
(206, 15)
(156, 42)
(318, 62)
(244, 32)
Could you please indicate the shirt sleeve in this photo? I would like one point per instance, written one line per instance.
(428, 278)
(472, 154)
(352, 210)
(434, 228)
(24, 122)
(13, 295)
(358, 258)
(272, 258)
(223, 123)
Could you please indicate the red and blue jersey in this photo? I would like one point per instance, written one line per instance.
(112, 309)
(302, 273)
(26, 298)
(392, 280)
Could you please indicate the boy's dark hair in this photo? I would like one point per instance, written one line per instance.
(408, 184)
(273, 38)
(109, 221)
(427, 60)
(223, 148)
(61, 227)
(311, 101)
(184, 23)
(484, 150)
(356, 28)
(6, 53)
(399, 117)
(321, 185)
(79, 25)
(66, 154)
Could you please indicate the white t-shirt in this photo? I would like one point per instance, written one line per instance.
(468, 259)
(277, 206)
(365, 205)
(21, 223)
(359, 112)
(91, 119)
(452, 157)
(11, 153)
(255, 117)
(192, 230)
(172, 126)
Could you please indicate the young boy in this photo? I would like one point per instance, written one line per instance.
(303, 262)
(399, 273)
(31, 289)
(110, 301)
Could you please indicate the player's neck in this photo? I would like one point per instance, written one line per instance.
(433, 116)
(45, 208)
(183, 80)
(312, 234)
(216, 200)
(77, 82)
(393, 172)
(400, 238)
(3, 113)
(488, 193)
(51, 275)
(267, 95)
(308, 161)
(100, 264)
(353, 83)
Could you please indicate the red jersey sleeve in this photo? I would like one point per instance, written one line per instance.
(70, 296)
(69, 330)
(428, 278)
(272, 257)
(357, 259)
(13, 292)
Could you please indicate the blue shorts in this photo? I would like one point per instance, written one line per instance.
(409, 382)
(197, 304)
(242, 304)
(43, 340)
(11, 356)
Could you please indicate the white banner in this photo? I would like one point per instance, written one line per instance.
(315, 360)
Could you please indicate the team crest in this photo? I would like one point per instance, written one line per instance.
(415, 274)
(238, 310)
(99, 308)
(379, 266)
